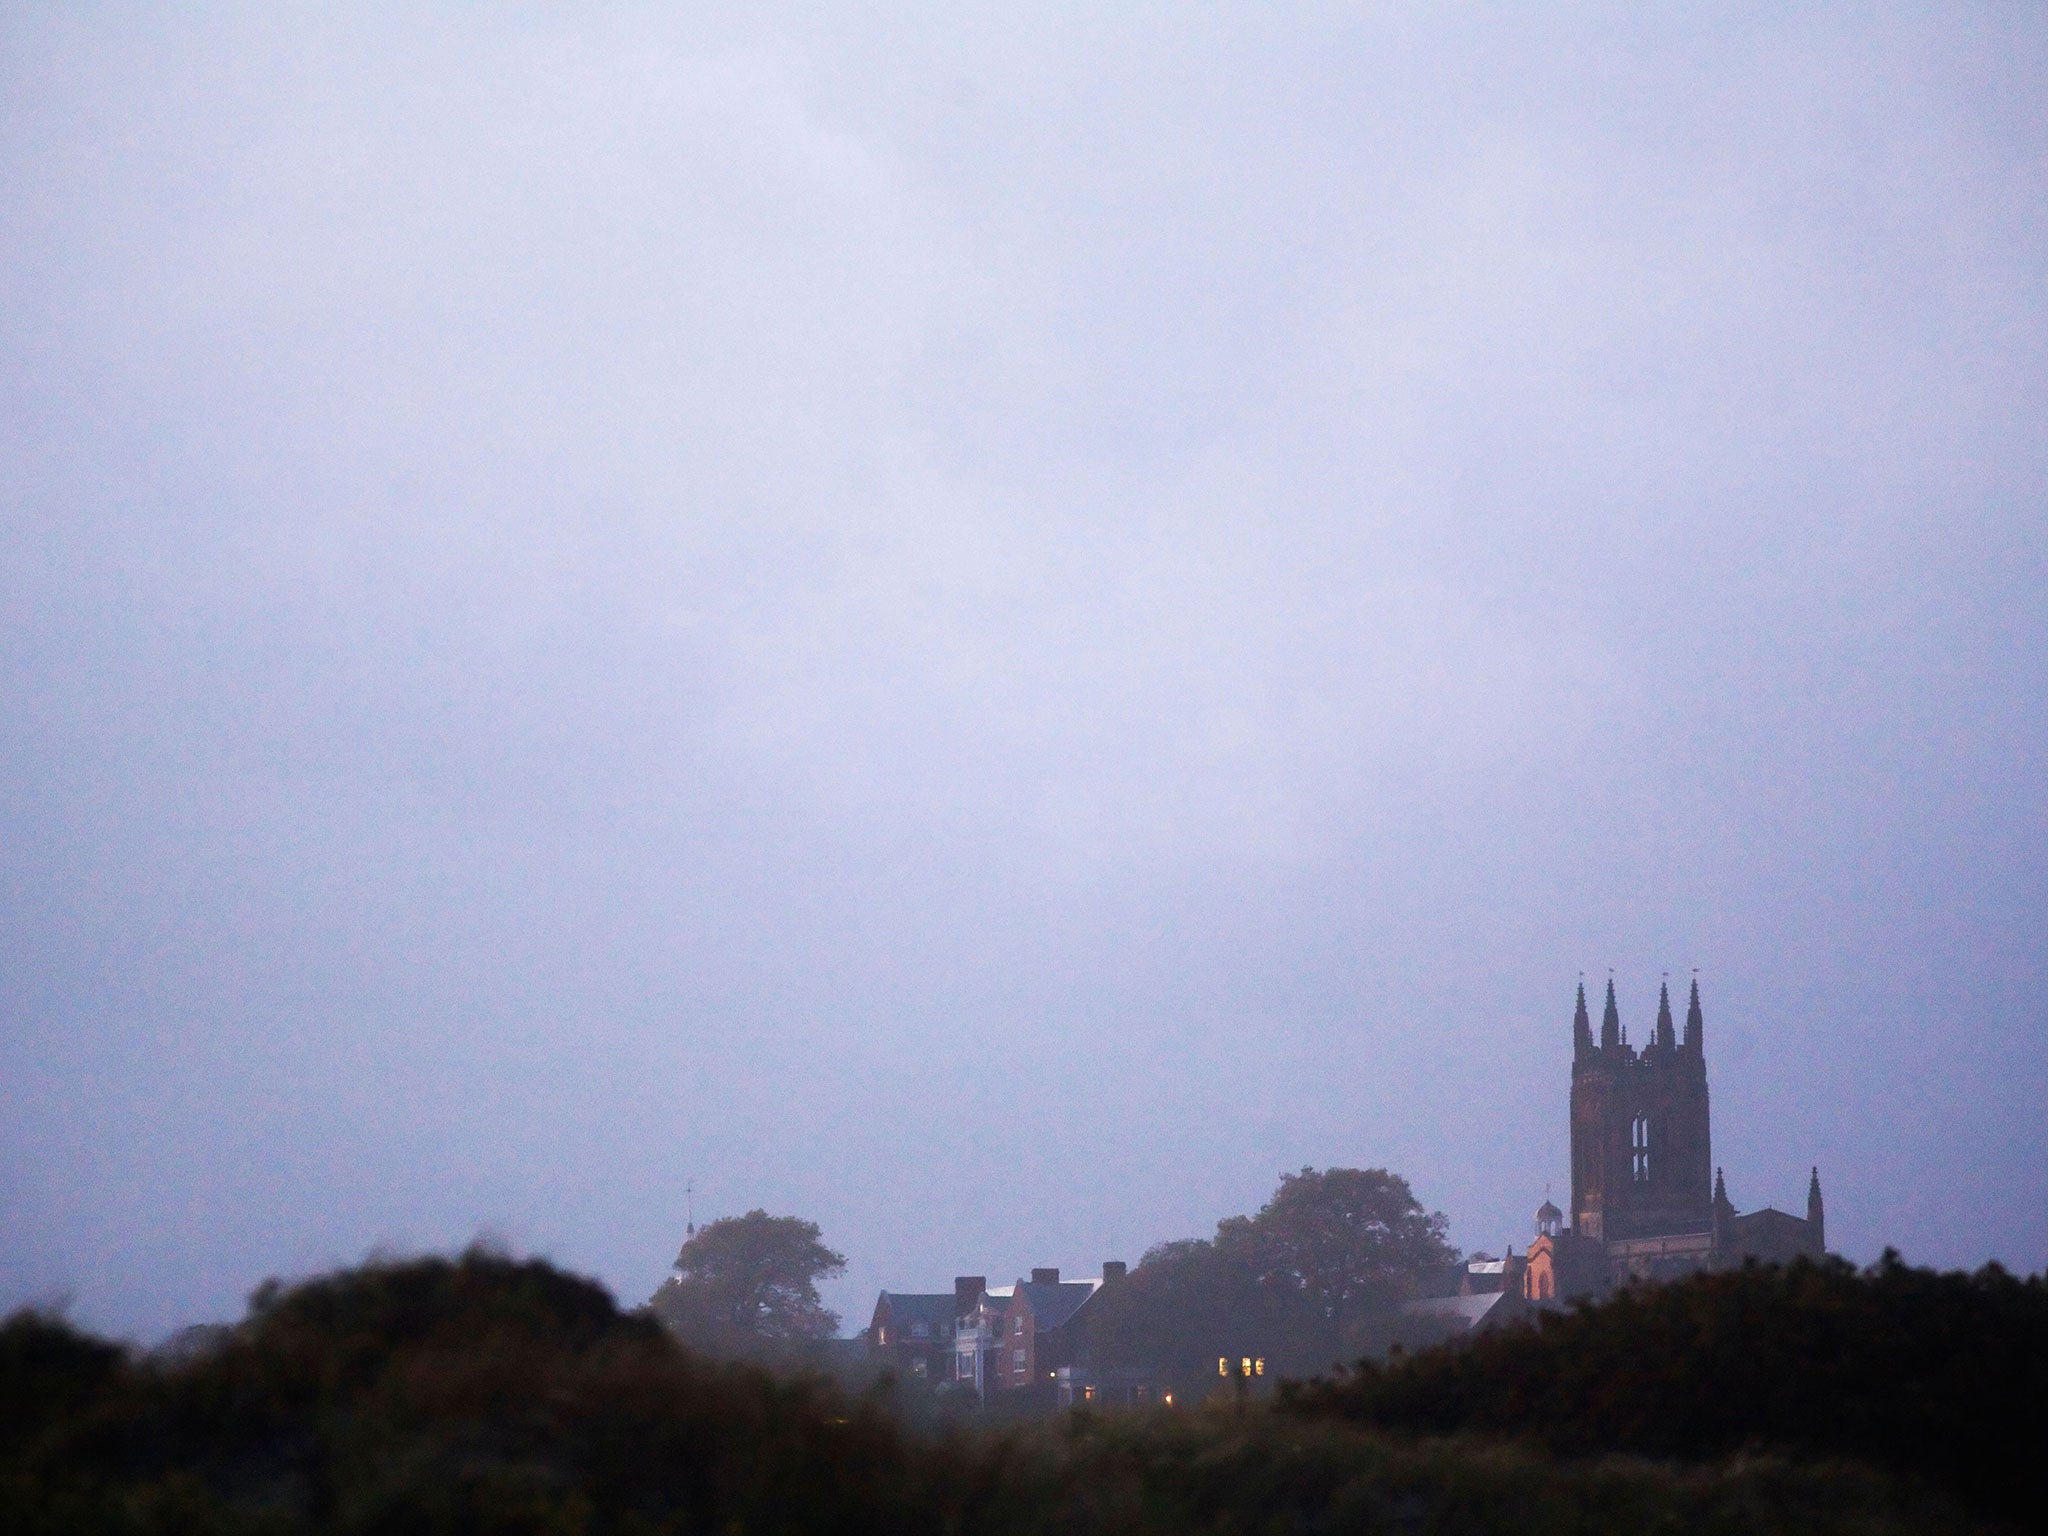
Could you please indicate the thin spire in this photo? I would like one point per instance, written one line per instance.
(1582, 1027)
(1664, 1034)
(1720, 1188)
(1695, 1023)
(1610, 1023)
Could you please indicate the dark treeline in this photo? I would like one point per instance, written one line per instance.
(1943, 1376)
(489, 1395)
(1297, 1282)
(1297, 1285)
(474, 1395)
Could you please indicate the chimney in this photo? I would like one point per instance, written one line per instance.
(1113, 1270)
(1045, 1277)
(967, 1291)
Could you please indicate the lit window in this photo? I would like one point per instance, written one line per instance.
(1222, 1365)
(1088, 1394)
(881, 1335)
(1247, 1367)
(1259, 1366)
(1639, 1148)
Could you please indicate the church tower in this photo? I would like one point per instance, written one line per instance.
(1642, 1154)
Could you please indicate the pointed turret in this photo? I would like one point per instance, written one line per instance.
(1816, 1221)
(1723, 1214)
(1582, 1027)
(1721, 1192)
(1664, 1035)
(1610, 1023)
(1695, 1024)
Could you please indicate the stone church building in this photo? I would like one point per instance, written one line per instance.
(1647, 1201)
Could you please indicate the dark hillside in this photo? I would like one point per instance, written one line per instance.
(483, 1395)
(477, 1395)
(1942, 1376)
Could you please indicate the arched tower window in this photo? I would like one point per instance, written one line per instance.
(1639, 1148)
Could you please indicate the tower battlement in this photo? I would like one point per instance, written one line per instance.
(1642, 1145)
(1647, 1198)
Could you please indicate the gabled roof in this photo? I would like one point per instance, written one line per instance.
(1470, 1310)
(906, 1307)
(1053, 1303)
(1769, 1216)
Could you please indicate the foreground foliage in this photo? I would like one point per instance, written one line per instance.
(488, 1395)
(1939, 1376)
(475, 1395)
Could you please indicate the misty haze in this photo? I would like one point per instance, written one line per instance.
(989, 630)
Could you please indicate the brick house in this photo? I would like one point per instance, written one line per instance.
(978, 1339)
(1045, 1327)
(913, 1332)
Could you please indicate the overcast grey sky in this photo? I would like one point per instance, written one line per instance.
(989, 624)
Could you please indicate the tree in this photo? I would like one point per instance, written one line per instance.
(1351, 1241)
(749, 1278)
(1291, 1283)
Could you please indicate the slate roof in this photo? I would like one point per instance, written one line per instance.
(906, 1308)
(1471, 1310)
(1054, 1303)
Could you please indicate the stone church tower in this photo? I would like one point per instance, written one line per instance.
(1647, 1201)
(1642, 1153)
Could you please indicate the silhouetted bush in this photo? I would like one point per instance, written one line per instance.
(47, 1369)
(1943, 1376)
(484, 1395)
(477, 1395)
(1223, 1470)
